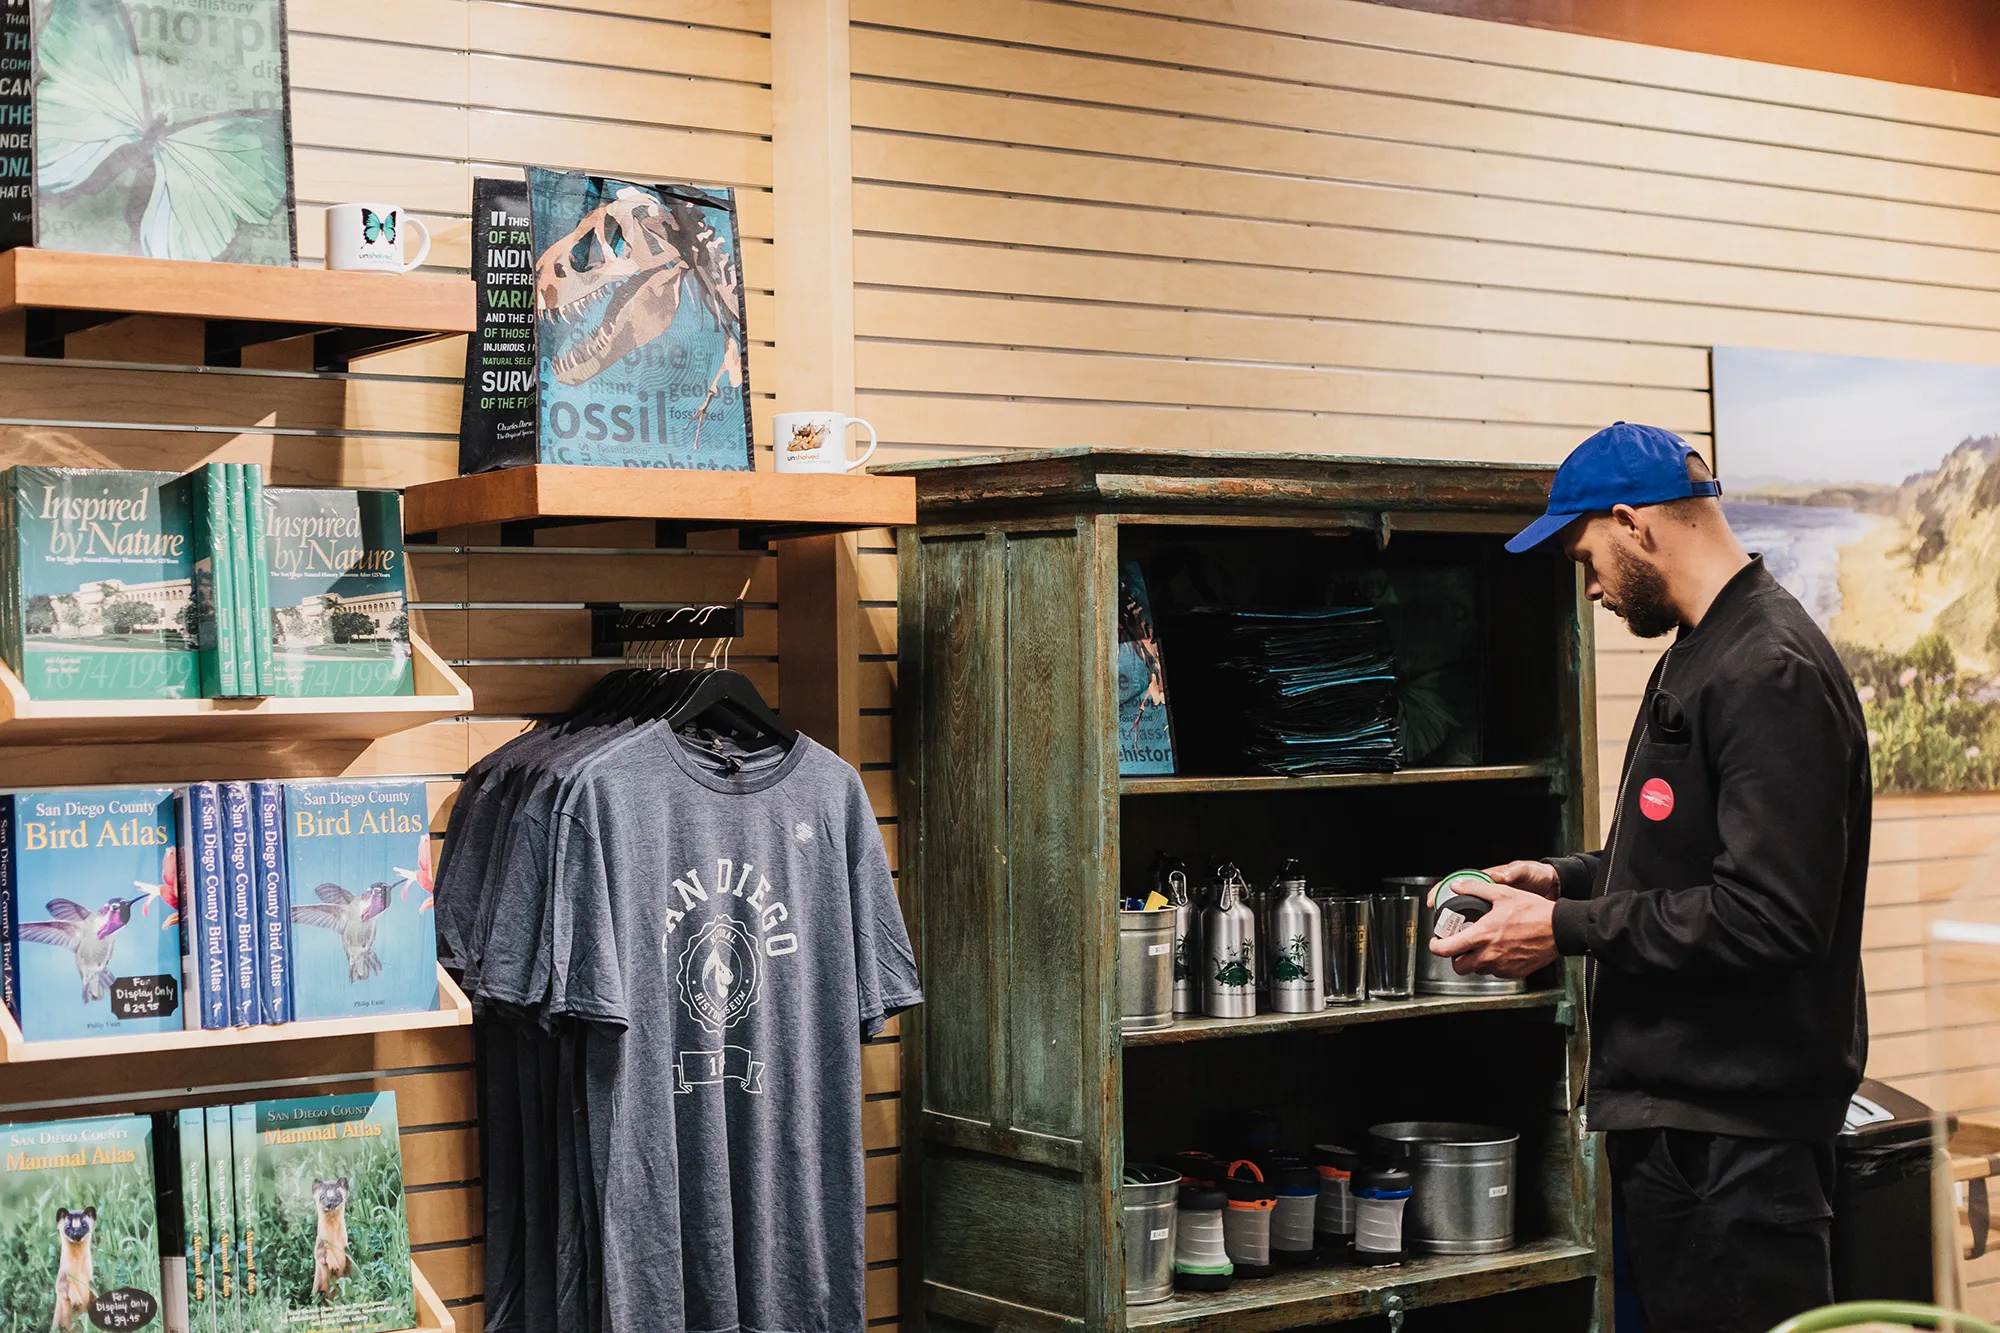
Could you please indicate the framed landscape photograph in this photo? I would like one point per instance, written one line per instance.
(1872, 489)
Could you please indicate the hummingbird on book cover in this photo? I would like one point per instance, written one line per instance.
(355, 917)
(91, 936)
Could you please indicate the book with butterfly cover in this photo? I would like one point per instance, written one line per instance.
(639, 330)
(96, 900)
(364, 935)
(163, 129)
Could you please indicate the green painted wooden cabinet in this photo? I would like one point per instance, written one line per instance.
(1023, 1100)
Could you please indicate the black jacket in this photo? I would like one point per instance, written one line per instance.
(1724, 915)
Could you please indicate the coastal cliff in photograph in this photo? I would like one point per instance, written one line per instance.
(1872, 489)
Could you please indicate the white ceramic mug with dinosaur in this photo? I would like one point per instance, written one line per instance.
(370, 237)
(817, 441)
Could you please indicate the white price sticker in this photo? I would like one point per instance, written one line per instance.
(1155, 950)
(1159, 1233)
(1496, 1191)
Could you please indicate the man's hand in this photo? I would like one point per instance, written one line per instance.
(1532, 876)
(1512, 940)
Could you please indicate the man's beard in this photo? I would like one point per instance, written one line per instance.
(1642, 597)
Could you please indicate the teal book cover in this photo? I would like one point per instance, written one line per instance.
(79, 1227)
(102, 583)
(364, 935)
(340, 626)
(190, 1129)
(1145, 734)
(95, 889)
(163, 129)
(221, 1221)
(322, 1194)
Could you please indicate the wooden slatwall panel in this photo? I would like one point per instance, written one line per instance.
(404, 101)
(1329, 226)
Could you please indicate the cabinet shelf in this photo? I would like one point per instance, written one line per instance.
(453, 1010)
(1317, 1295)
(1375, 1011)
(29, 721)
(770, 504)
(348, 314)
(1408, 777)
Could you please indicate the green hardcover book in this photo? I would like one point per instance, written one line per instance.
(243, 1147)
(201, 493)
(191, 1129)
(221, 1222)
(333, 1244)
(258, 571)
(102, 584)
(340, 626)
(79, 1229)
(239, 576)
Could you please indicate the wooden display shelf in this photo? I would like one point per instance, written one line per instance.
(453, 1010)
(348, 314)
(1309, 1296)
(432, 1314)
(28, 721)
(1374, 1011)
(1408, 777)
(768, 504)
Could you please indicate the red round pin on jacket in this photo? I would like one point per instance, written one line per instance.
(1656, 799)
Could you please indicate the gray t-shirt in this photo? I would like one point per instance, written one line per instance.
(729, 927)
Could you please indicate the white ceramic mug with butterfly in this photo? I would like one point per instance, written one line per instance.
(370, 236)
(817, 441)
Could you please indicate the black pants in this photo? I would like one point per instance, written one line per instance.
(1723, 1235)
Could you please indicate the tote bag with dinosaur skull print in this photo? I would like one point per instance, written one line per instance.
(639, 324)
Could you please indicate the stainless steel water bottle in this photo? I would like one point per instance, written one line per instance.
(1293, 953)
(1170, 879)
(1229, 952)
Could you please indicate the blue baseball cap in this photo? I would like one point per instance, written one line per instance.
(1620, 465)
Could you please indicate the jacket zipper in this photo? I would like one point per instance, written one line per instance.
(1618, 827)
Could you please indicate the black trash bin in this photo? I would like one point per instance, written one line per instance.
(1882, 1198)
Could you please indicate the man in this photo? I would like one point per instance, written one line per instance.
(1723, 919)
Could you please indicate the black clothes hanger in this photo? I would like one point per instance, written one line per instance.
(728, 697)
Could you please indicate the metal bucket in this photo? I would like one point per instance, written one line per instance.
(1435, 975)
(1462, 1193)
(1145, 969)
(1147, 1198)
